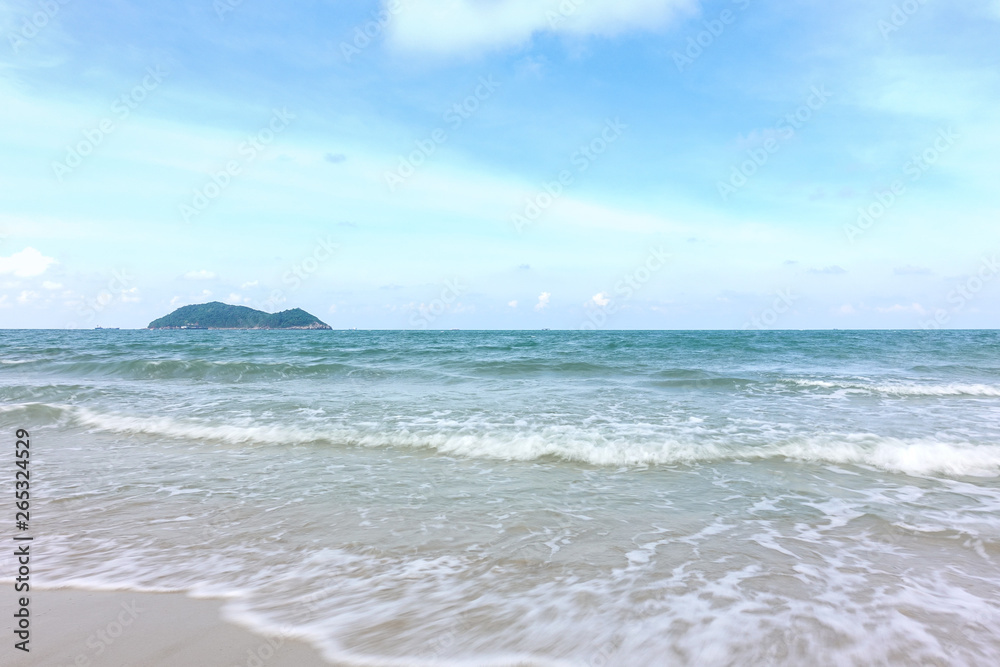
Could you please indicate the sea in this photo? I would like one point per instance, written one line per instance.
(530, 497)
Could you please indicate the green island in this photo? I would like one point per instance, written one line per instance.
(217, 315)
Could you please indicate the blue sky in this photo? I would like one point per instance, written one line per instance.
(664, 164)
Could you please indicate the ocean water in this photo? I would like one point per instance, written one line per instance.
(531, 498)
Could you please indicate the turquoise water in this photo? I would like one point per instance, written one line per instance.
(533, 498)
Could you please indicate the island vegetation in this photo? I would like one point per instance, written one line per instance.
(217, 315)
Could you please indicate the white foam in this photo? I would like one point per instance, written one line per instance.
(906, 389)
(166, 426)
(924, 456)
(698, 583)
(938, 390)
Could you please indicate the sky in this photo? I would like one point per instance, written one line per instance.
(502, 164)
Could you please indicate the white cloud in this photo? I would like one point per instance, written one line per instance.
(25, 264)
(48, 284)
(451, 26)
(512, 304)
(332, 308)
(830, 270)
(3, 301)
(900, 308)
(252, 283)
(131, 295)
(912, 271)
(601, 299)
(199, 275)
(27, 296)
(190, 299)
(543, 301)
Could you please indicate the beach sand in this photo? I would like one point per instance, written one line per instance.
(124, 629)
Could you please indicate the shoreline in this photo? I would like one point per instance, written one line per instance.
(79, 628)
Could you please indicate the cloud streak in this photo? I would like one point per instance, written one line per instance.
(445, 27)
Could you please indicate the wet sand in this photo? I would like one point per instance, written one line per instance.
(123, 629)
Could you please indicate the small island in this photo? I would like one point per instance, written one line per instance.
(217, 315)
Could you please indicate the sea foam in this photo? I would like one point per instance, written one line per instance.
(920, 456)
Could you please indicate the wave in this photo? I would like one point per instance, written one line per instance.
(904, 389)
(912, 456)
(237, 370)
(526, 367)
(196, 369)
(705, 382)
(35, 413)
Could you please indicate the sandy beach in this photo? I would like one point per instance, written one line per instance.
(123, 629)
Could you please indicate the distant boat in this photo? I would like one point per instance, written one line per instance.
(192, 326)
